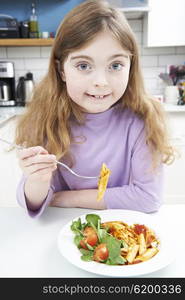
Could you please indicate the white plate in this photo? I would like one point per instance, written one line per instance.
(164, 257)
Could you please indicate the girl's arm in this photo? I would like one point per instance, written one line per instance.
(144, 192)
(141, 194)
(57, 183)
(79, 198)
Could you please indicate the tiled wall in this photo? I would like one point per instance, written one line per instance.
(153, 60)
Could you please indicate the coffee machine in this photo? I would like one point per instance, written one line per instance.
(7, 84)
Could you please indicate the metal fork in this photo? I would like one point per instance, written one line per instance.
(19, 147)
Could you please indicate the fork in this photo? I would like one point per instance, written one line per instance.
(19, 147)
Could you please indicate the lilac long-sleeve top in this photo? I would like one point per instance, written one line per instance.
(117, 138)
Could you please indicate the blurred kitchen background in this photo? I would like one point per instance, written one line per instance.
(27, 31)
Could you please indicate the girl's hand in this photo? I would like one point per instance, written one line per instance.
(36, 163)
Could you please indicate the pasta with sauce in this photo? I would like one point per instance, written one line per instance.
(139, 242)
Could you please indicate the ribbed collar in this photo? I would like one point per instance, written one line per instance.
(102, 117)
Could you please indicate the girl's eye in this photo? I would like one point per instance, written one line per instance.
(83, 67)
(116, 66)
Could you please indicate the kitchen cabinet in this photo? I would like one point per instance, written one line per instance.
(174, 187)
(164, 23)
(134, 9)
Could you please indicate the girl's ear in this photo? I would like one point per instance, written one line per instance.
(58, 65)
(63, 75)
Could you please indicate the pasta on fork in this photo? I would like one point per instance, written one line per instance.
(103, 180)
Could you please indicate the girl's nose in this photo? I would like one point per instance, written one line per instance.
(100, 79)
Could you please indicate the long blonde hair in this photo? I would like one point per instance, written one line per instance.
(47, 119)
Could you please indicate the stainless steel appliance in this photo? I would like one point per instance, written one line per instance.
(29, 86)
(9, 27)
(24, 89)
(7, 84)
(4, 91)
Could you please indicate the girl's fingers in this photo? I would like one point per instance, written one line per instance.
(43, 174)
(31, 151)
(35, 160)
(36, 170)
(45, 171)
(36, 167)
(38, 159)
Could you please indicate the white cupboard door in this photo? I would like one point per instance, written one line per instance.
(165, 23)
(174, 183)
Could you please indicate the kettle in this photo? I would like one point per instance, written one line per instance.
(20, 92)
(5, 94)
(24, 88)
(29, 86)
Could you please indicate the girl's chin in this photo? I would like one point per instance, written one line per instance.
(96, 110)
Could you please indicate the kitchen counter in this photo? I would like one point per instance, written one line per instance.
(174, 108)
(29, 246)
(7, 113)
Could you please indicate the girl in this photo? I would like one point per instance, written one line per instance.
(91, 108)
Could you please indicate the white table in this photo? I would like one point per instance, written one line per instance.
(28, 247)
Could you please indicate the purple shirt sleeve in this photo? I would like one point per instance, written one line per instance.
(145, 189)
(57, 184)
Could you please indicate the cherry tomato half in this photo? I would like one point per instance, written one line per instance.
(101, 253)
(90, 237)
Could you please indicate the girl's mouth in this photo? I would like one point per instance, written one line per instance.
(97, 97)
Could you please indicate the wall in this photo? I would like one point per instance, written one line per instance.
(153, 60)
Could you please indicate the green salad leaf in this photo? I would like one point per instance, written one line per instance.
(114, 248)
(113, 245)
(93, 220)
(77, 240)
(119, 260)
(87, 255)
(76, 226)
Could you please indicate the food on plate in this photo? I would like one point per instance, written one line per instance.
(90, 237)
(132, 252)
(115, 242)
(103, 180)
(101, 253)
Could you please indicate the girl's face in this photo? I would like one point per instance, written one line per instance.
(96, 76)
